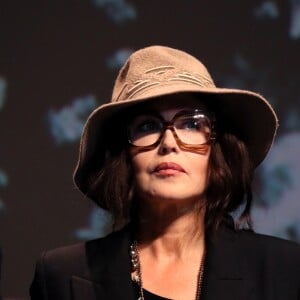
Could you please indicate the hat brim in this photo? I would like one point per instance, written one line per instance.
(247, 111)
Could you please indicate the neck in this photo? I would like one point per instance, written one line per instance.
(171, 231)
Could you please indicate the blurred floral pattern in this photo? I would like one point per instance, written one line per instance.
(295, 19)
(3, 184)
(99, 224)
(3, 86)
(277, 208)
(117, 60)
(3, 175)
(67, 123)
(119, 11)
(267, 9)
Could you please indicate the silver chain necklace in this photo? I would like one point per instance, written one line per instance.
(137, 271)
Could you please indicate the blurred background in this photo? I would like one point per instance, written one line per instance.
(58, 61)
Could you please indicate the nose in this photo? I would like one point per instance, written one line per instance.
(168, 142)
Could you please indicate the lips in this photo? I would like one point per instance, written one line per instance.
(168, 168)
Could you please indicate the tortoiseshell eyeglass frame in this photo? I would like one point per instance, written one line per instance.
(198, 148)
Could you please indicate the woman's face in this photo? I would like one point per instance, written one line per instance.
(169, 173)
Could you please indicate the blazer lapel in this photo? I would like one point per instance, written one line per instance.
(109, 270)
(223, 278)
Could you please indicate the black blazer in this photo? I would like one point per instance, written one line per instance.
(240, 265)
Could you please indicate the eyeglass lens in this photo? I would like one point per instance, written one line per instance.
(193, 128)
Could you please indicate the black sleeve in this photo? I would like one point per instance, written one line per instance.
(38, 285)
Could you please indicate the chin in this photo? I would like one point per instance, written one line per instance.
(175, 195)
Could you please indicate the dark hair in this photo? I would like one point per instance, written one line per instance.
(229, 182)
(229, 178)
(111, 186)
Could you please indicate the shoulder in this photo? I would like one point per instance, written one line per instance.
(76, 258)
(67, 258)
(267, 244)
(270, 252)
(82, 265)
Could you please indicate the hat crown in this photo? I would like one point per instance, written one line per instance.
(158, 66)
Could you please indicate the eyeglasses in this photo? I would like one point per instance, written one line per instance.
(191, 129)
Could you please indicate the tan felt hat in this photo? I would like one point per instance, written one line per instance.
(158, 71)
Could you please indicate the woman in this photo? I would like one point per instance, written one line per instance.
(171, 156)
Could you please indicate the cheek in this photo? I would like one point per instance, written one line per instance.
(201, 170)
(137, 164)
(141, 175)
(140, 165)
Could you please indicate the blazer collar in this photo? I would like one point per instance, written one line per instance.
(106, 271)
(109, 264)
(109, 269)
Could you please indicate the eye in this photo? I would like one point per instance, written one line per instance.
(190, 123)
(145, 125)
(148, 126)
(193, 124)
